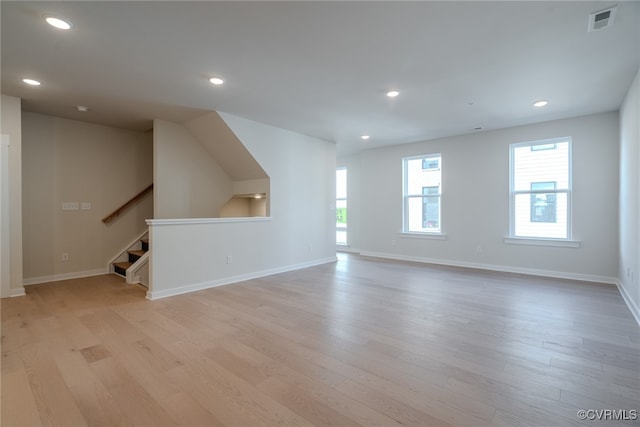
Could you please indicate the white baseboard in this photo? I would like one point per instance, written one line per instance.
(633, 307)
(17, 292)
(154, 295)
(64, 276)
(501, 268)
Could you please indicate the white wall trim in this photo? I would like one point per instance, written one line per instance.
(194, 221)
(17, 292)
(635, 310)
(501, 268)
(531, 241)
(132, 276)
(425, 235)
(65, 276)
(235, 279)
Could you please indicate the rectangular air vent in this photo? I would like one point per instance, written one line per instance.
(602, 19)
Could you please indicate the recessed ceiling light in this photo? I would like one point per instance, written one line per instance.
(216, 81)
(393, 93)
(540, 104)
(82, 108)
(31, 82)
(365, 137)
(58, 23)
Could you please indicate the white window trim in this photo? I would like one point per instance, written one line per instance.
(436, 235)
(346, 228)
(422, 235)
(534, 241)
(541, 241)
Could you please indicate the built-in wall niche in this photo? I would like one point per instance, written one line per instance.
(245, 205)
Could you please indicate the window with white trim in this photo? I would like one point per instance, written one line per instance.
(341, 206)
(422, 194)
(540, 189)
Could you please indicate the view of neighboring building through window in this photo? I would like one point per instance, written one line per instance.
(543, 205)
(540, 189)
(341, 206)
(422, 191)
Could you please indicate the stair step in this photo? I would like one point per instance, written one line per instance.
(135, 255)
(121, 267)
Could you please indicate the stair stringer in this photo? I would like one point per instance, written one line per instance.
(139, 271)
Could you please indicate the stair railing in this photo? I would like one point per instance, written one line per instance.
(113, 215)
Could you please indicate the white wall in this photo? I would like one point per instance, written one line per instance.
(5, 253)
(188, 182)
(11, 125)
(223, 145)
(299, 233)
(475, 201)
(72, 161)
(629, 266)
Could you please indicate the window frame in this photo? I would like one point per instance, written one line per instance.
(553, 241)
(345, 228)
(406, 197)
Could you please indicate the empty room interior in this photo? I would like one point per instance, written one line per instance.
(266, 213)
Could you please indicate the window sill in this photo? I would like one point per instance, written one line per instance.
(426, 236)
(530, 241)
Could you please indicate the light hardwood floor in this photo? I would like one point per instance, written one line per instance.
(358, 342)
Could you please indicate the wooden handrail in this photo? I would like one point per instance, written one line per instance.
(130, 202)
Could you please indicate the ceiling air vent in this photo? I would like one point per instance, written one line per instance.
(602, 19)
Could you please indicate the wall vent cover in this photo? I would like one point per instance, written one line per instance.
(602, 19)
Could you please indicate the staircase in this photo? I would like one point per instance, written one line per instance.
(120, 268)
(132, 262)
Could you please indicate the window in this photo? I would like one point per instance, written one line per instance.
(422, 192)
(431, 163)
(341, 206)
(431, 207)
(540, 189)
(543, 205)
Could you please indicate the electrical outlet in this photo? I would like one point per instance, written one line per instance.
(229, 259)
(65, 256)
(69, 206)
(86, 206)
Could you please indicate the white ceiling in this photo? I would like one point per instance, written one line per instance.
(322, 68)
